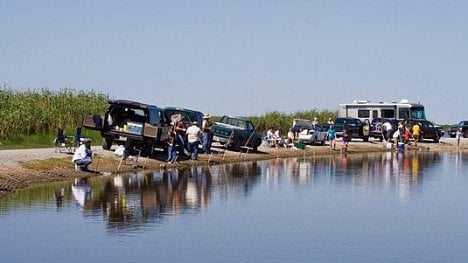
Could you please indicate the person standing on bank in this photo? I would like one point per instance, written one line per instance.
(171, 145)
(416, 133)
(331, 133)
(206, 134)
(459, 135)
(180, 129)
(83, 156)
(193, 136)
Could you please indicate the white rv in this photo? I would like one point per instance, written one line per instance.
(364, 109)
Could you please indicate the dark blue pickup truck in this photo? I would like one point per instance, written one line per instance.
(235, 132)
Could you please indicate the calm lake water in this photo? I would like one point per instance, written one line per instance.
(359, 208)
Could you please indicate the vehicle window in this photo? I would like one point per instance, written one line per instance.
(418, 113)
(375, 114)
(388, 113)
(250, 126)
(403, 113)
(363, 113)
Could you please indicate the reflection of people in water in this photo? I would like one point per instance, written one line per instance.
(81, 191)
(176, 188)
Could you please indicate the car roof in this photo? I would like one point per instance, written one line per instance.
(130, 103)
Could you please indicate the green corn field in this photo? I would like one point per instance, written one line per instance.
(42, 111)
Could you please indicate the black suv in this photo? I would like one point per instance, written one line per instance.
(453, 129)
(376, 127)
(124, 120)
(356, 128)
(428, 129)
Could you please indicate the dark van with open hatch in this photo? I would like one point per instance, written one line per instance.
(141, 124)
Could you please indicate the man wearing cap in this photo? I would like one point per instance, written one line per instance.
(83, 155)
(206, 133)
(193, 136)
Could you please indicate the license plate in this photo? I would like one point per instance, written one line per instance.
(122, 138)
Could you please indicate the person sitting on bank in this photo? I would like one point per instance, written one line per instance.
(83, 156)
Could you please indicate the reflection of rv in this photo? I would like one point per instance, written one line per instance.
(364, 109)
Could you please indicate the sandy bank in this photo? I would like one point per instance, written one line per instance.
(22, 168)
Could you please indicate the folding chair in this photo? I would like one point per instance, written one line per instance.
(63, 143)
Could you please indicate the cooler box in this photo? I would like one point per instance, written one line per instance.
(401, 147)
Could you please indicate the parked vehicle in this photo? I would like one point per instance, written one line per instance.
(376, 127)
(313, 135)
(356, 128)
(236, 132)
(364, 109)
(189, 115)
(141, 124)
(453, 129)
(428, 130)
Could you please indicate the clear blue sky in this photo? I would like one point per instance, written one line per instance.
(243, 57)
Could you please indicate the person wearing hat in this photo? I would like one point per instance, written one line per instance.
(193, 137)
(207, 136)
(83, 156)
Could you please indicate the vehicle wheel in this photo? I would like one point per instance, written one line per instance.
(465, 134)
(235, 147)
(107, 143)
(436, 139)
(366, 138)
(255, 146)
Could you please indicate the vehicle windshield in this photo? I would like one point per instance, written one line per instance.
(418, 113)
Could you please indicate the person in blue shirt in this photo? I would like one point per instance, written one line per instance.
(331, 136)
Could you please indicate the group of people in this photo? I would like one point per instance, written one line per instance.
(403, 132)
(182, 138)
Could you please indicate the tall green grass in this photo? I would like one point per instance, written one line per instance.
(42, 111)
(31, 118)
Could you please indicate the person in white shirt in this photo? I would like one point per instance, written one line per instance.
(83, 155)
(193, 137)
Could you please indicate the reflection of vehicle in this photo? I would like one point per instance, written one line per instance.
(453, 129)
(428, 130)
(356, 128)
(376, 127)
(236, 132)
(394, 110)
(189, 115)
(314, 135)
(141, 124)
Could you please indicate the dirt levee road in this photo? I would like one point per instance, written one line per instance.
(22, 168)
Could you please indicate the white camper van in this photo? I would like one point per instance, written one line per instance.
(364, 109)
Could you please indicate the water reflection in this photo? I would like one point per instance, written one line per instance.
(131, 201)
